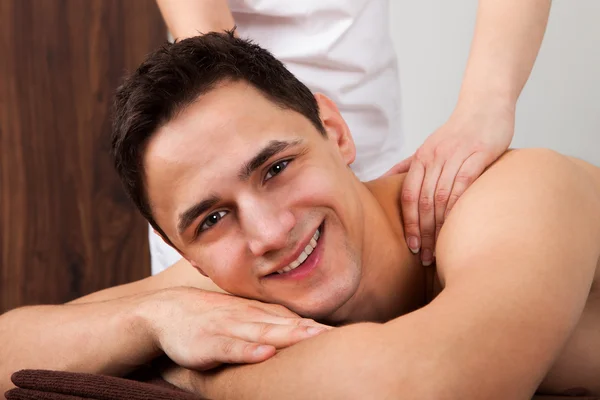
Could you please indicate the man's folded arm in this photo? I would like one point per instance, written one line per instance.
(98, 333)
(179, 274)
(517, 258)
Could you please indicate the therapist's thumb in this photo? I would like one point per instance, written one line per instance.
(400, 168)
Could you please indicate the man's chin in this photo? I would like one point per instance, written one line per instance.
(321, 310)
(331, 301)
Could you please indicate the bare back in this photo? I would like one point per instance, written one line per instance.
(577, 370)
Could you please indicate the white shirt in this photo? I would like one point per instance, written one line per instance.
(341, 48)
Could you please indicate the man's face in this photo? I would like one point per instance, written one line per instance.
(245, 190)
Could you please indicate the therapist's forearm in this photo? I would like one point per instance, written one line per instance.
(187, 18)
(507, 39)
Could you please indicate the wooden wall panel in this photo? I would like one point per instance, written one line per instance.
(66, 226)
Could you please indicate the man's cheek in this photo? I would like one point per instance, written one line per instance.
(233, 280)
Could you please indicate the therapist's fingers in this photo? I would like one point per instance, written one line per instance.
(470, 170)
(409, 199)
(400, 168)
(427, 211)
(444, 189)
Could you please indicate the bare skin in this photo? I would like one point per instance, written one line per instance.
(524, 239)
(576, 371)
(507, 38)
(512, 239)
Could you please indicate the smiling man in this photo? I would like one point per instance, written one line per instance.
(246, 174)
(265, 205)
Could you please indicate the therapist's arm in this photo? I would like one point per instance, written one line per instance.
(187, 18)
(504, 267)
(508, 35)
(507, 39)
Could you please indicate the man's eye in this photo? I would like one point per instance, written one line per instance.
(276, 169)
(211, 220)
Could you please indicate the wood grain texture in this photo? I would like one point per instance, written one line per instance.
(66, 226)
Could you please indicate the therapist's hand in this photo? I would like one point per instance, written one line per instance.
(449, 161)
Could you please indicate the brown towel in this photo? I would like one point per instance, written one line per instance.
(143, 385)
(59, 385)
(549, 397)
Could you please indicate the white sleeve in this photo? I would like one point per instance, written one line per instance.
(162, 256)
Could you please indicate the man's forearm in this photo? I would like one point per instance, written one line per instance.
(339, 364)
(507, 39)
(417, 356)
(104, 337)
(360, 361)
(187, 18)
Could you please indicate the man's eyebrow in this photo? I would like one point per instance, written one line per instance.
(188, 216)
(271, 149)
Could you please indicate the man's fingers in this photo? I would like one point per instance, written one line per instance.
(427, 212)
(311, 322)
(279, 336)
(444, 189)
(279, 310)
(400, 168)
(409, 197)
(470, 170)
(274, 309)
(229, 350)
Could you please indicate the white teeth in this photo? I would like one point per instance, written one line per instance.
(304, 255)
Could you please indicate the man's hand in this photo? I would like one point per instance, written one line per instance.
(199, 329)
(444, 167)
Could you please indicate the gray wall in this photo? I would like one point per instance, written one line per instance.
(560, 105)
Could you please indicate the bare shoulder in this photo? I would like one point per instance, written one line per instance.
(526, 192)
(523, 239)
(541, 171)
(179, 274)
(544, 160)
(530, 174)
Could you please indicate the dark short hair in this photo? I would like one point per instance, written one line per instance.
(173, 77)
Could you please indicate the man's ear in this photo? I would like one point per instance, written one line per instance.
(336, 128)
(193, 263)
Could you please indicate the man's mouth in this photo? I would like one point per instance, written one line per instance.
(304, 258)
(304, 255)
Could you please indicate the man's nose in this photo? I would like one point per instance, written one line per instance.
(267, 225)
